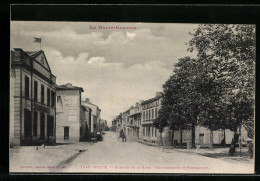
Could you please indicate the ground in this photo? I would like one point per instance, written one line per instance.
(113, 155)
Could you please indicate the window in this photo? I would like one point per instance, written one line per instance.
(149, 114)
(152, 131)
(146, 115)
(35, 121)
(59, 99)
(26, 87)
(143, 115)
(48, 96)
(53, 98)
(42, 94)
(35, 91)
(152, 113)
(156, 113)
(155, 132)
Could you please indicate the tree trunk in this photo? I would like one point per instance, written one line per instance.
(232, 149)
(180, 142)
(211, 139)
(193, 135)
(224, 138)
(173, 137)
(240, 144)
(161, 141)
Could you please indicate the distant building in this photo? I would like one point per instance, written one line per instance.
(150, 109)
(32, 99)
(95, 115)
(71, 116)
(103, 125)
(125, 122)
(135, 121)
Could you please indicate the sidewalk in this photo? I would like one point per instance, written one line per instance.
(48, 158)
(219, 153)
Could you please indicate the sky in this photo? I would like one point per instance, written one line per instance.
(116, 68)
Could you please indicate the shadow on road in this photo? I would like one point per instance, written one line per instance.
(67, 161)
(242, 157)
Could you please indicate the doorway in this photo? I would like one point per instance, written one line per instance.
(201, 138)
(42, 126)
(27, 126)
(66, 133)
(50, 126)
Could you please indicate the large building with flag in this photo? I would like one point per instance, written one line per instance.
(32, 99)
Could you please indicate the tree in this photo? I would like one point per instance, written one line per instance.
(179, 108)
(227, 54)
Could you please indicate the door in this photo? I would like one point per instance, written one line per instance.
(27, 126)
(42, 126)
(66, 133)
(201, 139)
(49, 127)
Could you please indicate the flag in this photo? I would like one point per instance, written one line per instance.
(37, 40)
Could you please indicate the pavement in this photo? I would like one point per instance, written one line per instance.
(114, 156)
(220, 153)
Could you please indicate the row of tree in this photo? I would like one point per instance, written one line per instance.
(216, 89)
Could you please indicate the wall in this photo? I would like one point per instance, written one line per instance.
(15, 106)
(68, 114)
(48, 111)
(94, 115)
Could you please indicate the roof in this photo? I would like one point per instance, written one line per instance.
(69, 86)
(86, 107)
(151, 100)
(33, 53)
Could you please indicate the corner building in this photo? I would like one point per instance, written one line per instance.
(32, 99)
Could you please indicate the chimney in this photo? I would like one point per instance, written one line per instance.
(68, 85)
(87, 100)
(17, 54)
(158, 94)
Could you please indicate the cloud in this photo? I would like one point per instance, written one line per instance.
(112, 86)
(115, 68)
(96, 60)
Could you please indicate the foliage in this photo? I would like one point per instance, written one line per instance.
(215, 90)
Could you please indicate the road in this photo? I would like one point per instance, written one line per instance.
(111, 155)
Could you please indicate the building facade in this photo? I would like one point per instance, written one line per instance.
(71, 116)
(150, 109)
(95, 115)
(135, 122)
(32, 99)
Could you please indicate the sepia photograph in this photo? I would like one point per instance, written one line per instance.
(122, 97)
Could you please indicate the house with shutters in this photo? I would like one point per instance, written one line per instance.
(32, 99)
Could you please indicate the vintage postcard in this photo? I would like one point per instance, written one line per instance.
(109, 97)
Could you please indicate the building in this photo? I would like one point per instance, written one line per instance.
(135, 121)
(95, 115)
(32, 99)
(202, 136)
(125, 122)
(71, 118)
(103, 125)
(150, 109)
(87, 123)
